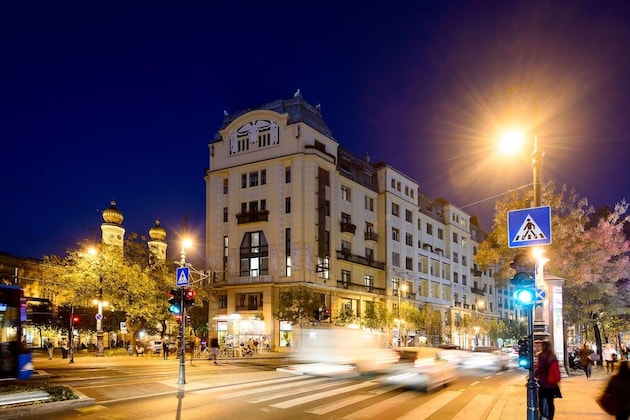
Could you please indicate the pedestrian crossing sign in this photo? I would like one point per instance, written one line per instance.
(529, 227)
(182, 276)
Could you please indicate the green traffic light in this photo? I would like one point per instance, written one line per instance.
(525, 295)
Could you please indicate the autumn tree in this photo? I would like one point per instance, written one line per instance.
(590, 252)
(297, 305)
(125, 278)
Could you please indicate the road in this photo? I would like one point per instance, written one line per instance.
(255, 390)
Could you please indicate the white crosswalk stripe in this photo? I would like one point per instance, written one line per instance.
(479, 404)
(433, 405)
(321, 395)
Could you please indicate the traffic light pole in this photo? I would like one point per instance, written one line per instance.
(532, 385)
(182, 343)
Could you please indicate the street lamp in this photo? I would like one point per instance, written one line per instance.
(182, 332)
(510, 142)
(399, 290)
(478, 303)
(100, 303)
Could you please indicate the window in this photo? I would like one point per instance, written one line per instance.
(254, 255)
(369, 254)
(395, 285)
(223, 301)
(429, 229)
(369, 282)
(369, 203)
(395, 259)
(323, 267)
(263, 205)
(454, 237)
(395, 235)
(409, 263)
(393, 183)
(395, 209)
(346, 277)
(253, 179)
(369, 178)
(263, 177)
(464, 242)
(253, 206)
(455, 257)
(225, 214)
(287, 205)
(440, 233)
(243, 180)
(225, 186)
(287, 250)
(464, 279)
(345, 193)
(327, 208)
(408, 239)
(398, 186)
(345, 247)
(455, 277)
(464, 260)
(406, 190)
(345, 218)
(408, 216)
(287, 175)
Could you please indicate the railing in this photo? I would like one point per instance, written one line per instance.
(348, 227)
(250, 280)
(252, 216)
(360, 287)
(248, 308)
(360, 260)
(371, 236)
(477, 291)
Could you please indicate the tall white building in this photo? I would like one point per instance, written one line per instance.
(288, 206)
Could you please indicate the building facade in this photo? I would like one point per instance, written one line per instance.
(288, 206)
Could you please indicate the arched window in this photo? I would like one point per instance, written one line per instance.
(254, 255)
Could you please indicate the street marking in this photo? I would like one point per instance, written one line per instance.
(475, 408)
(271, 389)
(427, 409)
(379, 408)
(321, 395)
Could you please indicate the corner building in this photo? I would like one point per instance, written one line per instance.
(287, 206)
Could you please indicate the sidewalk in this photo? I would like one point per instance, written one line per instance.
(577, 402)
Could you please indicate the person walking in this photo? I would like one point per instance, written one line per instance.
(586, 359)
(64, 348)
(165, 349)
(618, 389)
(51, 348)
(214, 345)
(609, 354)
(547, 391)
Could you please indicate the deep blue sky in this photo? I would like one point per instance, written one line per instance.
(102, 100)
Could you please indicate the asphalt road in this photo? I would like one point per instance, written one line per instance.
(252, 389)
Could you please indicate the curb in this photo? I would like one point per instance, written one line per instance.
(45, 408)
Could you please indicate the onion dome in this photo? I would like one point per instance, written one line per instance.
(113, 215)
(157, 232)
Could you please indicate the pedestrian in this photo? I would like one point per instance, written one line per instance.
(51, 348)
(165, 349)
(609, 354)
(214, 344)
(547, 391)
(64, 348)
(616, 393)
(586, 359)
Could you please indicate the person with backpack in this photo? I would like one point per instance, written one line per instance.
(548, 376)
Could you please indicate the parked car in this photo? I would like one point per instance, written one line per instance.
(422, 368)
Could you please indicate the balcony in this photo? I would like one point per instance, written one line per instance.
(477, 291)
(250, 280)
(248, 307)
(347, 256)
(360, 287)
(348, 227)
(252, 216)
(371, 236)
(475, 272)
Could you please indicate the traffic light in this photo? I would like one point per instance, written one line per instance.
(523, 353)
(175, 300)
(189, 298)
(326, 314)
(524, 279)
(75, 320)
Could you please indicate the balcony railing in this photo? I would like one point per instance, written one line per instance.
(371, 236)
(348, 227)
(477, 291)
(360, 287)
(252, 216)
(248, 308)
(342, 255)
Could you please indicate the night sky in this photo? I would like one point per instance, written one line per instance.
(119, 100)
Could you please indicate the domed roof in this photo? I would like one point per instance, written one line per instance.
(157, 232)
(113, 215)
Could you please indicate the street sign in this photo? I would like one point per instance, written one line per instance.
(541, 295)
(529, 227)
(98, 317)
(182, 276)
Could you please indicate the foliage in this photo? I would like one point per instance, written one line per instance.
(376, 316)
(198, 314)
(344, 317)
(56, 392)
(589, 250)
(297, 305)
(135, 289)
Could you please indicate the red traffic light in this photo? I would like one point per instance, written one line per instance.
(75, 319)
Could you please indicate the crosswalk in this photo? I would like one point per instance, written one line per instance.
(353, 399)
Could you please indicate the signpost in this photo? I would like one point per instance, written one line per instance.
(529, 227)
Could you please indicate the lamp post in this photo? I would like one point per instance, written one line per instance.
(478, 303)
(182, 330)
(399, 291)
(100, 347)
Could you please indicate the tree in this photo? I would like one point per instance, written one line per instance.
(124, 278)
(297, 305)
(589, 250)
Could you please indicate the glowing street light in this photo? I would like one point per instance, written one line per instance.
(399, 291)
(100, 303)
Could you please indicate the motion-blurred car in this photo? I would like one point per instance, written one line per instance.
(422, 368)
(485, 358)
